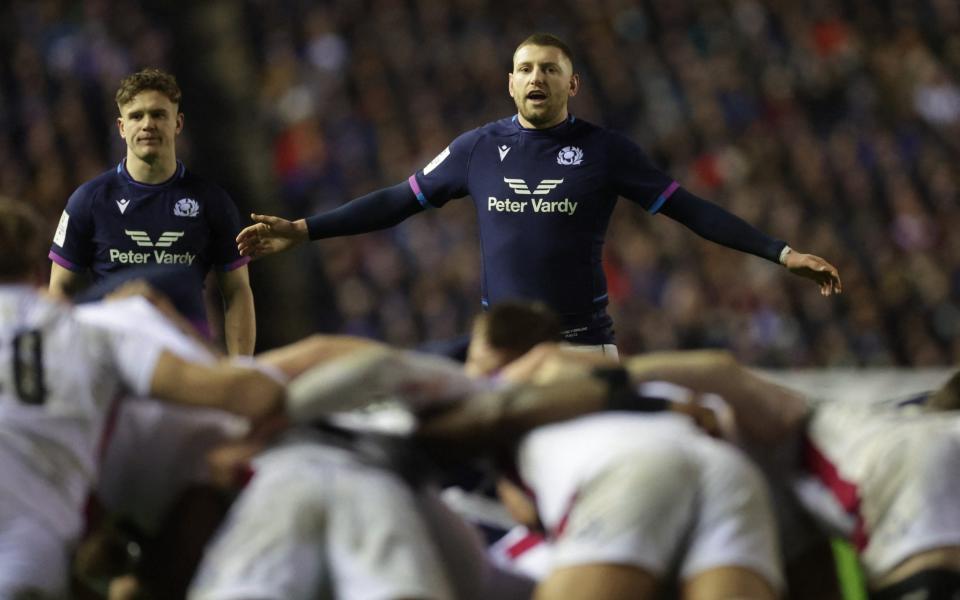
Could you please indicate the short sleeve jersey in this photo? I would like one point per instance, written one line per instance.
(58, 379)
(113, 222)
(543, 199)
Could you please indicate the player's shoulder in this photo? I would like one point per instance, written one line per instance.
(91, 189)
(606, 135)
(203, 185)
(506, 126)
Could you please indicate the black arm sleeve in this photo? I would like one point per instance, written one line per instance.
(376, 210)
(712, 222)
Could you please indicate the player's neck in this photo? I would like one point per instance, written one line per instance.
(553, 123)
(152, 173)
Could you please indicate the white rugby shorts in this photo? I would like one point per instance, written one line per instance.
(314, 518)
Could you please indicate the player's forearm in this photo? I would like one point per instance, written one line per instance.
(496, 420)
(237, 389)
(712, 222)
(703, 371)
(240, 322)
(295, 359)
(377, 210)
(764, 412)
(64, 283)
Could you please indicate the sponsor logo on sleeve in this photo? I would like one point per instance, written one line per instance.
(186, 207)
(570, 155)
(436, 161)
(60, 237)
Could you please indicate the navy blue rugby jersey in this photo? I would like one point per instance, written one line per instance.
(113, 222)
(543, 199)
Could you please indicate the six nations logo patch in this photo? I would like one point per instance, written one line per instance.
(570, 155)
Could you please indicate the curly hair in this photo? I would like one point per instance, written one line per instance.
(148, 79)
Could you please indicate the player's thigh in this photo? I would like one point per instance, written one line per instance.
(271, 543)
(735, 532)
(728, 583)
(635, 512)
(910, 506)
(33, 561)
(380, 543)
(597, 582)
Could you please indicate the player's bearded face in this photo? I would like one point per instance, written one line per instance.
(541, 83)
(149, 124)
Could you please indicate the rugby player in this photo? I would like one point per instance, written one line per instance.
(151, 210)
(544, 184)
(890, 469)
(60, 371)
(625, 497)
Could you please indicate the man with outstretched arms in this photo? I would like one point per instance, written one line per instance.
(544, 184)
(59, 374)
(150, 210)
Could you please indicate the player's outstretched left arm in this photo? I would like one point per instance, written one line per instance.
(814, 268)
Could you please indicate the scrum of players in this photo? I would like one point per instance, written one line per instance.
(139, 463)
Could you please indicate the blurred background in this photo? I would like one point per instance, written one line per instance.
(833, 124)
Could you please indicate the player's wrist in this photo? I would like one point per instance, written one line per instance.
(300, 230)
(787, 250)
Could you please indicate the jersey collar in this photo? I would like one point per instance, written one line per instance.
(122, 171)
(558, 128)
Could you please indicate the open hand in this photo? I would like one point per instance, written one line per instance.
(269, 235)
(815, 268)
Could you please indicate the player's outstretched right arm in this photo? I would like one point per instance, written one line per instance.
(377, 210)
(269, 235)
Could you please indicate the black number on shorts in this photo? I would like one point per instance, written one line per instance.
(28, 367)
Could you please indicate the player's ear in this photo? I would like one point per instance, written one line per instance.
(574, 84)
(120, 125)
(179, 122)
(510, 84)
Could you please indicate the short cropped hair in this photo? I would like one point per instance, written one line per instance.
(516, 327)
(547, 39)
(148, 80)
(23, 239)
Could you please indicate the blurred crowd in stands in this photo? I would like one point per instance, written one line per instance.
(831, 124)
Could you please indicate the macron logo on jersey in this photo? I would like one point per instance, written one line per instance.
(122, 204)
(538, 205)
(503, 150)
